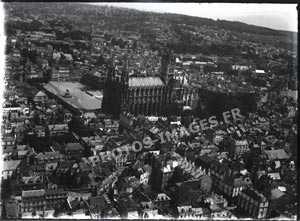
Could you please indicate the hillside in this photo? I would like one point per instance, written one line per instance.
(180, 28)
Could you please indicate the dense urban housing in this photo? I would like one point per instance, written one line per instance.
(119, 113)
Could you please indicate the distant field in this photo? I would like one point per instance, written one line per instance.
(277, 40)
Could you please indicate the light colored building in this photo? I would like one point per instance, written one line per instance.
(33, 201)
(239, 148)
(227, 181)
(58, 129)
(10, 167)
(40, 98)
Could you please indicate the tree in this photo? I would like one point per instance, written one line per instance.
(263, 183)
(56, 211)
(6, 188)
(248, 160)
(78, 35)
(100, 60)
(35, 25)
(34, 213)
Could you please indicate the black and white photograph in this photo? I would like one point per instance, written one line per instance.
(149, 110)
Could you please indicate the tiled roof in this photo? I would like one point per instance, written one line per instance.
(22, 152)
(9, 149)
(147, 167)
(55, 191)
(279, 154)
(241, 142)
(97, 201)
(89, 115)
(39, 127)
(274, 176)
(56, 147)
(145, 82)
(8, 138)
(49, 110)
(10, 165)
(40, 94)
(33, 193)
(68, 57)
(110, 179)
(148, 205)
(51, 166)
(58, 127)
(162, 196)
(84, 166)
(178, 82)
(238, 182)
(254, 194)
(32, 179)
(65, 164)
(276, 193)
(21, 147)
(74, 146)
(50, 155)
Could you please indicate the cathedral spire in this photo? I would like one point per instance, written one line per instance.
(125, 66)
(125, 74)
(112, 65)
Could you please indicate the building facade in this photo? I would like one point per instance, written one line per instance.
(146, 95)
(33, 201)
(228, 181)
(55, 198)
(254, 203)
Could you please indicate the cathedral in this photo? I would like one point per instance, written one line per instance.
(145, 95)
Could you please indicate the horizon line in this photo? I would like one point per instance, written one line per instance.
(157, 11)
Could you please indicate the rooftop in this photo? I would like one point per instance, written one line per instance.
(254, 194)
(40, 94)
(279, 154)
(97, 201)
(58, 127)
(49, 155)
(276, 193)
(33, 193)
(10, 165)
(78, 99)
(55, 191)
(145, 82)
(32, 179)
(74, 146)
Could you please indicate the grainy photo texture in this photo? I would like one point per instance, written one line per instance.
(135, 111)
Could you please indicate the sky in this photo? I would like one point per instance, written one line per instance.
(275, 16)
